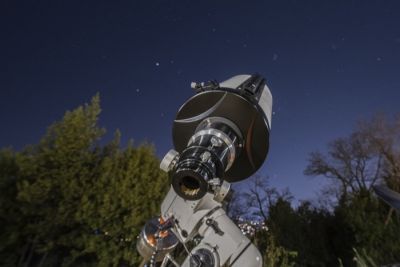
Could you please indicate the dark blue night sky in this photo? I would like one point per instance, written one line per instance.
(327, 63)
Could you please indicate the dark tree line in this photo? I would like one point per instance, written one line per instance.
(354, 222)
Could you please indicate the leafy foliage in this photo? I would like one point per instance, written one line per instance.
(70, 201)
(276, 255)
(355, 163)
(363, 260)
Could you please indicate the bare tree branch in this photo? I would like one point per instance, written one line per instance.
(370, 154)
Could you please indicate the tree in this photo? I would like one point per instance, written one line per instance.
(70, 201)
(354, 164)
(276, 255)
(12, 245)
(369, 155)
(384, 135)
(250, 208)
(53, 177)
(360, 224)
(127, 192)
(261, 196)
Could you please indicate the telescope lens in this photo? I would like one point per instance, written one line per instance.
(189, 185)
(190, 177)
(210, 152)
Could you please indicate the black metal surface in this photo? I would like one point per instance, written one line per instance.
(191, 175)
(243, 113)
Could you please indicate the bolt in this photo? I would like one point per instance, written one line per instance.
(205, 156)
(216, 141)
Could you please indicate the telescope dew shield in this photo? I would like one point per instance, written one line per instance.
(221, 132)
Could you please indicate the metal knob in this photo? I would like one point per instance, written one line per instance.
(169, 160)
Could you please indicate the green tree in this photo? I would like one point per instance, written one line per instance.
(354, 164)
(12, 245)
(127, 192)
(53, 175)
(363, 217)
(305, 229)
(71, 201)
(275, 255)
(257, 203)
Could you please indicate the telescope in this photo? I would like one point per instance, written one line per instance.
(220, 136)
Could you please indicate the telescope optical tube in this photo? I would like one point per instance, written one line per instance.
(220, 132)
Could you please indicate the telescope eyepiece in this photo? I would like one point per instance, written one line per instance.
(210, 152)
